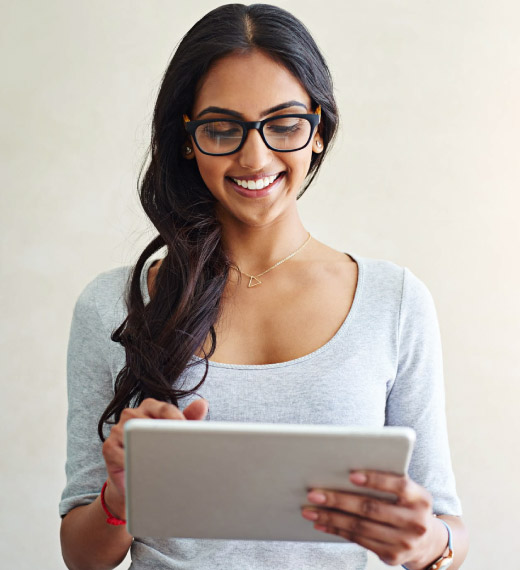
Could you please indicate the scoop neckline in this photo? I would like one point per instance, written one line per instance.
(343, 329)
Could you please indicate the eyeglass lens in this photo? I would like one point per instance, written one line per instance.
(288, 133)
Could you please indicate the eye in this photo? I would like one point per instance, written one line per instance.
(283, 130)
(219, 129)
(286, 125)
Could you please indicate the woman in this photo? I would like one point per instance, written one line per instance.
(251, 313)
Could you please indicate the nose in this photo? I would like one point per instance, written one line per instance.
(254, 154)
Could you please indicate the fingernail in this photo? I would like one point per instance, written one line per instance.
(320, 527)
(358, 478)
(310, 515)
(316, 497)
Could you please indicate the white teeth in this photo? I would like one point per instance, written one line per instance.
(255, 184)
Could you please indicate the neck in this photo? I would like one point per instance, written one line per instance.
(254, 249)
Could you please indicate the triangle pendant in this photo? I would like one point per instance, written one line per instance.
(253, 281)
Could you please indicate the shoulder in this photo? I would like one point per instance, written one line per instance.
(106, 287)
(104, 295)
(380, 270)
(393, 291)
(398, 290)
(387, 275)
(379, 284)
(335, 263)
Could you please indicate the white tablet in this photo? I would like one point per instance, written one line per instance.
(210, 479)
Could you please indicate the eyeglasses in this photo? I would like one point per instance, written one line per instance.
(282, 133)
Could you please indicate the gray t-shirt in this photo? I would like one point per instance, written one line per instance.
(382, 367)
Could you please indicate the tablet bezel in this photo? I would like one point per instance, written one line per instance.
(246, 481)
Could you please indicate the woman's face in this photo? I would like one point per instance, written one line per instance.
(251, 85)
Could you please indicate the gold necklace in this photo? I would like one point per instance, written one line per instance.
(254, 279)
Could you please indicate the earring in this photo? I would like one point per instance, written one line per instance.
(188, 150)
(318, 144)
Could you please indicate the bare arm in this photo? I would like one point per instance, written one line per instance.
(87, 540)
(460, 538)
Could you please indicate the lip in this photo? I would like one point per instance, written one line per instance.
(254, 193)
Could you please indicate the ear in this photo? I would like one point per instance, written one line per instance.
(317, 143)
(187, 150)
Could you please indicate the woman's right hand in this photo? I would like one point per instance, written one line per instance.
(113, 448)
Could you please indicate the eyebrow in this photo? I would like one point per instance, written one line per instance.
(240, 116)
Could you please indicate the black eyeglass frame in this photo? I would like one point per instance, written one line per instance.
(313, 118)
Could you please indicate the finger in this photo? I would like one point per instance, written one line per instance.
(359, 528)
(407, 491)
(114, 457)
(384, 551)
(151, 408)
(370, 508)
(113, 454)
(197, 410)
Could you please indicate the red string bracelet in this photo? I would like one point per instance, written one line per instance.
(111, 519)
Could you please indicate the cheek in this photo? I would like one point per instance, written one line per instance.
(301, 164)
(211, 171)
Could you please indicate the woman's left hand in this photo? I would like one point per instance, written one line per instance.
(397, 532)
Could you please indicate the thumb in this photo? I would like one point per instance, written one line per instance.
(197, 410)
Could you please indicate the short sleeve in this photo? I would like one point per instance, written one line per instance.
(416, 397)
(89, 390)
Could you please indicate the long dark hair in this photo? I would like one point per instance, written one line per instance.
(161, 338)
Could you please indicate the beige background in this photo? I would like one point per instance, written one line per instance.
(425, 173)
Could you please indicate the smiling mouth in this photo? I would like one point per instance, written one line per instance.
(256, 184)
